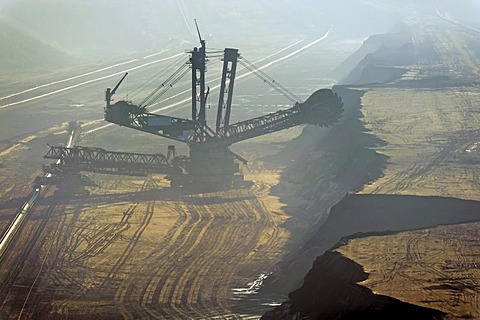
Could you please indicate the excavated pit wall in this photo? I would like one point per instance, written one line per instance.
(318, 179)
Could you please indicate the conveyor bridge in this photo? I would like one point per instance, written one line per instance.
(102, 161)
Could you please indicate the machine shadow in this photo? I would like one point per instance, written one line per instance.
(164, 194)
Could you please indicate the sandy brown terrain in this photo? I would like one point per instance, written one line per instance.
(432, 137)
(437, 268)
(136, 248)
(432, 140)
(142, 249)
(428, 119)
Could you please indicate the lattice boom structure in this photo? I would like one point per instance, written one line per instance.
(99, 160)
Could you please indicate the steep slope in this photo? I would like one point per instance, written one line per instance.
(330, 291)
(339, 161)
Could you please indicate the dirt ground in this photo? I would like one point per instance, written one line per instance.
(432, 140)
(436, 268)
(136, 248)
(427, 122)
(141, 249)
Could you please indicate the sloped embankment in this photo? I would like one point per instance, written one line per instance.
(439, 61)
(340, 160)
(330, 291)
(382, 58)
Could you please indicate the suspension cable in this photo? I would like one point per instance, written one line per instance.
(177, 76)
(166, 84)
(269, 80)
(156, 76)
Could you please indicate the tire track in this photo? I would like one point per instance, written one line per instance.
(132, 292)
(196, 263)
(136, 236)
(166, 278)
(21, 261)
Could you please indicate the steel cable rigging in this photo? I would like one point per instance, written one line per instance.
(156, 76)
(269, 80)
(167, 84)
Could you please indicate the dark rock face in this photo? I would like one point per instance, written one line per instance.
(330, 291)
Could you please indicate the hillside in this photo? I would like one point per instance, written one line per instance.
(92, 30)
(100, 29)
(21, 52)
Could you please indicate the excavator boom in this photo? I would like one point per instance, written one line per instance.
(323, 108)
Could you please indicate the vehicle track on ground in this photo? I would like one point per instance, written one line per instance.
(183, 242)
(190, 272)
(22, 259)
(136, 236)
(445, 145)
(233, 242)
(127, 295)
(67, 232)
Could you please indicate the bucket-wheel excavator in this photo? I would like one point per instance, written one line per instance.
(210, 164)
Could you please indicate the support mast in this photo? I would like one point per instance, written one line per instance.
(198, 61)
(228, 74)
